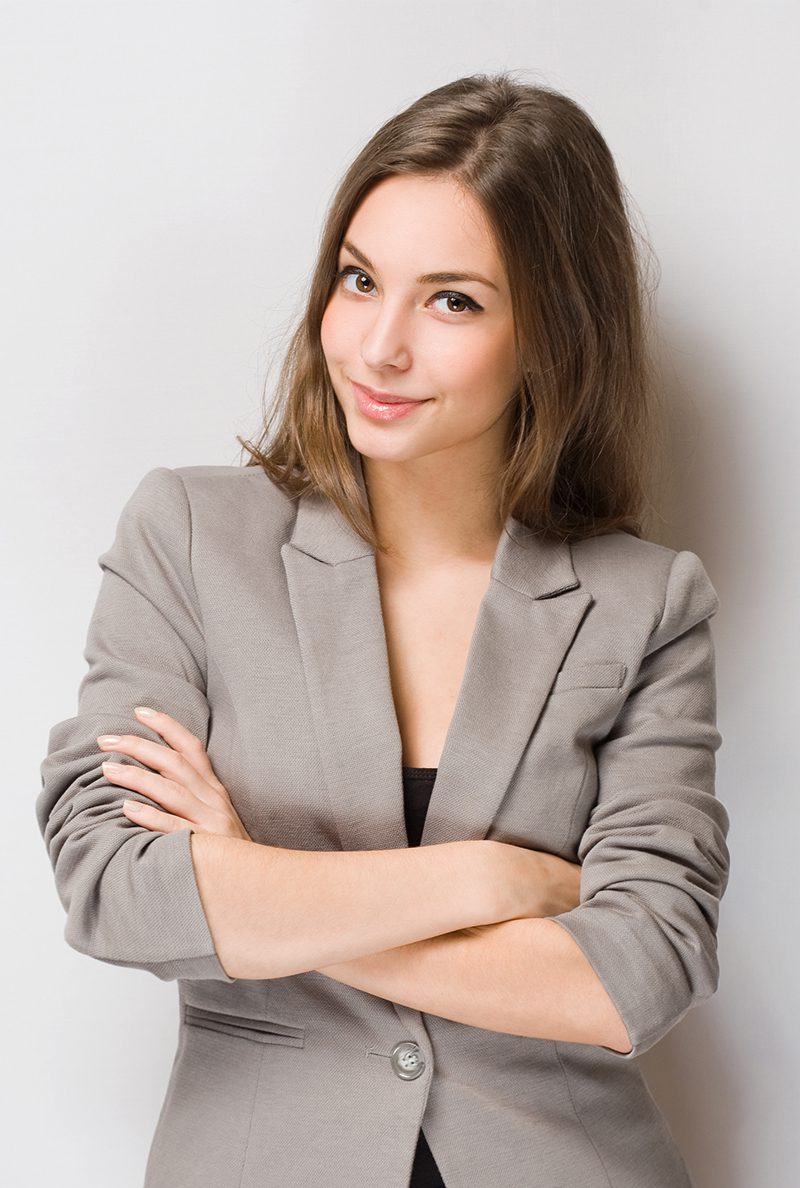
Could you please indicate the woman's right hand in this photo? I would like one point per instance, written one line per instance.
(538, 883)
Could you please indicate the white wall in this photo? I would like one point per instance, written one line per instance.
(166, 169)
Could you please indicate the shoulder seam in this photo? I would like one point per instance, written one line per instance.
(191, 570)
(666, 592)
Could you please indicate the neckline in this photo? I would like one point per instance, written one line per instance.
(420, 771)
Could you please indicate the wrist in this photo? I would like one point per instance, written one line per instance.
(507, 895)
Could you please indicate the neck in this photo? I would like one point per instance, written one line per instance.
(428, 515)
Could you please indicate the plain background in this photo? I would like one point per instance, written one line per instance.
(167, 166)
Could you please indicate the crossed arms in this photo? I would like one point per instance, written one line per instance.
(386, 921)
(619, 969)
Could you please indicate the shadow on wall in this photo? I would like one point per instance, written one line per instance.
(700, 499)
(700, 486)
(695, 1086)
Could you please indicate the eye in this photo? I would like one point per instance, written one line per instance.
(469, 306)
(350, 270)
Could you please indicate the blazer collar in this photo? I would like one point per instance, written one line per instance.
(527, 620)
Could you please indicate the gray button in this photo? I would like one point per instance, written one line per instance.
(408, 1063)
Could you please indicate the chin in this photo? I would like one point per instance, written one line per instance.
(368, 447)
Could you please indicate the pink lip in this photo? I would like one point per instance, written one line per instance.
(381, 406)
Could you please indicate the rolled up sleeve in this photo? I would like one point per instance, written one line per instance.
(655, 862)
(131, 894)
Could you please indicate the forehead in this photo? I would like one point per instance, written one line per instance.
(424, 224)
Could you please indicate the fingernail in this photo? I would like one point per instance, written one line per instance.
(110, 766)
(104, 739)
(145, 712)
(131, 806)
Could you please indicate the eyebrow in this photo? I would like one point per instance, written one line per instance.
(428, 278)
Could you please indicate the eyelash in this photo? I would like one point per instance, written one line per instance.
(472, 306)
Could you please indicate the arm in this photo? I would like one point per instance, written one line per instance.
(654, 865)
(654, 859)
(524, 977)
(130, 895)
(276, 912)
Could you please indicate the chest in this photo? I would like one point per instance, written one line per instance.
(429, 622)
(324, 679)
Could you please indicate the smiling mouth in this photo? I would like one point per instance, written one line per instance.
(384, 397)
(384, 410)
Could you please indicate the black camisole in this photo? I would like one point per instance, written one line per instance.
(417, 787)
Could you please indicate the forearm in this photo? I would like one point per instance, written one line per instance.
(524, 977)
(274, 912)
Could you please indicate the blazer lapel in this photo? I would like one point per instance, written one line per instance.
(527, 619)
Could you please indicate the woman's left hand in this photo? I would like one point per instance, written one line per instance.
(186, 787)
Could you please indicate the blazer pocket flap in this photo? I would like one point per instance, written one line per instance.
(591, 674)
(263, 1031)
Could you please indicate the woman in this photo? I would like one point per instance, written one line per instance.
(423, 611)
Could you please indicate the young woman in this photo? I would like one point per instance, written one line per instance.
(424, 612)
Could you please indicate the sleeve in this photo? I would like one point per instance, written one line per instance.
(130, 894)
(654, 857)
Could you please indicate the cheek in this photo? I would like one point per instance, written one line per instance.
(328, 333)
(335, 337)
(483, 366)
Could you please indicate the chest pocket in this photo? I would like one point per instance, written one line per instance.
(590, 674)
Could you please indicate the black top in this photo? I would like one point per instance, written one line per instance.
(417, 787)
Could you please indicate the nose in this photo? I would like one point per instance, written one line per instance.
(386, 343)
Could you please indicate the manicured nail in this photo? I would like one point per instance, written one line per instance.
(110, 766)
(144, 711)
(108, 739)
(131, 806)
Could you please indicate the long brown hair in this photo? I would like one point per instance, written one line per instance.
(580, 440)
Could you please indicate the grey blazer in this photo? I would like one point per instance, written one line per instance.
(585, 726)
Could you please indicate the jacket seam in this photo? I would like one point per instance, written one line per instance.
(256, 1092)
(666, 589)
(577, 1114)
(578, 797)
(190, 568)
(657, 628)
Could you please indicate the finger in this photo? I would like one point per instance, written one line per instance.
(153, 818)
(171, 797)
(179, 738)
(168, 763)
(176, 800)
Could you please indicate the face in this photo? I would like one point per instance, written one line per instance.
(444, 345)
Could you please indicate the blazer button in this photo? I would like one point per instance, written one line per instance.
(408, 1062)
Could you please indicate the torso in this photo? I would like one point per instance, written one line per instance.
(429, 620)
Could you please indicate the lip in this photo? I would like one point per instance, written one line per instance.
(382, 406)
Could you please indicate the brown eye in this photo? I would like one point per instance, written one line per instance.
(351, 270)
(457, 300)
(468, 306)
